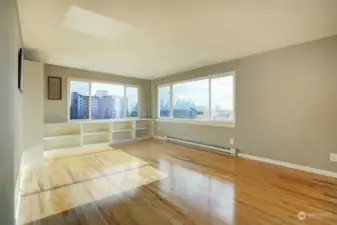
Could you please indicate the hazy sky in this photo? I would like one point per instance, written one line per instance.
(83, 88)
(112, 89)
(80, 87)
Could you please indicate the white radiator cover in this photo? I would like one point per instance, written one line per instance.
(231, 151)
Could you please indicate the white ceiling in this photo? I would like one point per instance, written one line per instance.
(154, 38)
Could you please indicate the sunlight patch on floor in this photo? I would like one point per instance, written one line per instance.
(65, 183)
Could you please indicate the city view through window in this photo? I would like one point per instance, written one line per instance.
(164, 101)
(105, 101)
(206, 99)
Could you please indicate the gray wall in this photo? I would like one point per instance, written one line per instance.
(10, 101)
(56, 111)
(286, 105)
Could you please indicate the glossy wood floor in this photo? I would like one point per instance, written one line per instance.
(152, 182)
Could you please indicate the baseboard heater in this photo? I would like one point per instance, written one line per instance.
(231, 151)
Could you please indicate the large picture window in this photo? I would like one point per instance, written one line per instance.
(206, 99)
(98, 100)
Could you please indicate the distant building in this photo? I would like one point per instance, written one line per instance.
(219, 113)
(107, 107)
(101, 93)
(164, 109)
(103, 106)
(184, 109)
(94, 107)
(121, 106)
(79, 108)
(223, 115)
(132, 110)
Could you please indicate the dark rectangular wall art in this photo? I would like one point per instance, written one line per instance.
(20, 70)
(54, 88)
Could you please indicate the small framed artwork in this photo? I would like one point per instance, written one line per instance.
(20, 65)
(54, 88)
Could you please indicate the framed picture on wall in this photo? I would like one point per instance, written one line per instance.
(20, 70)
(54, 88)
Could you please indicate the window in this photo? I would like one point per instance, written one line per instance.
(207, 99)
(222, 98)
(105, 101)
(131, 102)
(164, 101)
(191, 100)
(79, 100)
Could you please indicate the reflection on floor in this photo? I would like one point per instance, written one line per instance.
(65, 183)
(157, 183)
(62, 171)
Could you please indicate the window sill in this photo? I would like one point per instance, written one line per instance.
(199, 122)
(98, 121)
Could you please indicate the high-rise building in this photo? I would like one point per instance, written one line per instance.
(107, 107)
(94, 107)
(101, 93)
(104, 107)
(121, 107)
(79, 108)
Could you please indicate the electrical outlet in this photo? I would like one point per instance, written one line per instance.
(333, 157)
(231, 141)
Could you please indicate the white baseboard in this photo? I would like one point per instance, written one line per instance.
(290, 165)
(159, 137)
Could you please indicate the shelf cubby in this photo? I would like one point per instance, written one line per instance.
(63, 142)
(143, 124)
(96, 138)
(96, 127)
(143, 133)
(121, 125)
(62, 129)
(121, 136)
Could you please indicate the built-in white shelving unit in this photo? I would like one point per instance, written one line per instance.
(79, 134)
(143, 128)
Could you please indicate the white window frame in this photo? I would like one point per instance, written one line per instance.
(90, 81)
(208, 121)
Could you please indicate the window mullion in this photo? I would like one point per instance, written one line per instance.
(138, 106)
(158, 102)
(124, 104)
(171, 101)
(209, 98)
(89, 101)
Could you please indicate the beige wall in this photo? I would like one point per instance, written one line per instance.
(286, 105)
(10, 101)
(56, 110)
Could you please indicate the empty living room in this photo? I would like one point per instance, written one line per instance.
(167, 112)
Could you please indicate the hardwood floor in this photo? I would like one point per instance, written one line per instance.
(153, 182)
